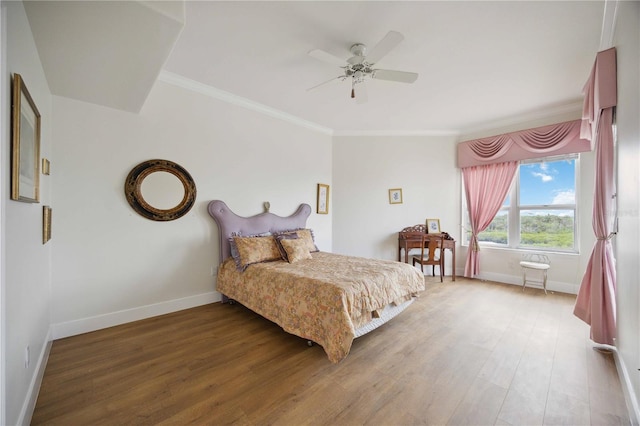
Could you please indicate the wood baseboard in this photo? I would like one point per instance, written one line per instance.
(98, 322)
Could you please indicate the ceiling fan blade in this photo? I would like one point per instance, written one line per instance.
(325, 82)
(384, 46)
(327, 57)
(390, 75)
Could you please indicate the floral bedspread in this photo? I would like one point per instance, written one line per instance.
(323, 299)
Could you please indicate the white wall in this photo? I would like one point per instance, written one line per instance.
(26, 262)
(366, 167)
(111, 265)
(627, 242)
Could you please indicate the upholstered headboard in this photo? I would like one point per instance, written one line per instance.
(230, 224)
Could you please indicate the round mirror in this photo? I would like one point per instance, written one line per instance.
(163, 190)
(160, 190)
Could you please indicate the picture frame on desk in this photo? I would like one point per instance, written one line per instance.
(433, 226)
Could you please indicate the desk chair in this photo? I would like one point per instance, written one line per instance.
(434, 254)
(537, 262)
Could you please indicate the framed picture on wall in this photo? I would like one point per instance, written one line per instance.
(323, 199)
(46, 224)
(395, 196)
(25, 144)
(46, 167)
(433, 226)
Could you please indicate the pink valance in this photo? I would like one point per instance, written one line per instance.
(555, 139)
(600, 91)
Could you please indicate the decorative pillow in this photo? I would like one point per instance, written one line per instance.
(279, 238)
(297, 249)
(303, 234)
(233, 248)
(256, 249)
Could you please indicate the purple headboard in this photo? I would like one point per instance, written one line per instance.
(230, 223)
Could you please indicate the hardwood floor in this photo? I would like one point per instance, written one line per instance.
(467, 352)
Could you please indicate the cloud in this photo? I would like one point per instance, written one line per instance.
(564, 197)
(543, 176)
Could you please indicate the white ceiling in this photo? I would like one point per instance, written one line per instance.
(479, 62)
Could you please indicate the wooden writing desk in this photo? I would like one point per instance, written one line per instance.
(407, 242)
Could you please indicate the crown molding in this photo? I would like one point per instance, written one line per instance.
(396, 133)
(212, 92)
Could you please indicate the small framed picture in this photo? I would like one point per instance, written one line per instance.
(433, 226)
(46, 167)
(46, 224)
(323, 199)
(395, 196)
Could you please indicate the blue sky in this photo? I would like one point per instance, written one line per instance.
(551, 182)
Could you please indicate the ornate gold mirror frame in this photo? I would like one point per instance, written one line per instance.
(133, 185)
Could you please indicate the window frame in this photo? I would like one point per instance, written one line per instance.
(514, 209)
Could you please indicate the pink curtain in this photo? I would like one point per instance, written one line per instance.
(486, 188)
(555, 139)
(596, 302)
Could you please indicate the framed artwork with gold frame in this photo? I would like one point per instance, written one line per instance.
(25, 144)
(433, 226)
(323, 199)
(46, 224)
(46, 167)
(395, 196)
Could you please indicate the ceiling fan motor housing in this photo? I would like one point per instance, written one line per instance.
(359, 49)
(358, 67)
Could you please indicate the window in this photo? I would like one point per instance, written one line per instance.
(540, 211)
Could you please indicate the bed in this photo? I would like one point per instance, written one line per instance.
(270, 264)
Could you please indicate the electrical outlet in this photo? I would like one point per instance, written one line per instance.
(214, 271)
(27, 357)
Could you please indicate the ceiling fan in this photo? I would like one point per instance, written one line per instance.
(359, 67)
